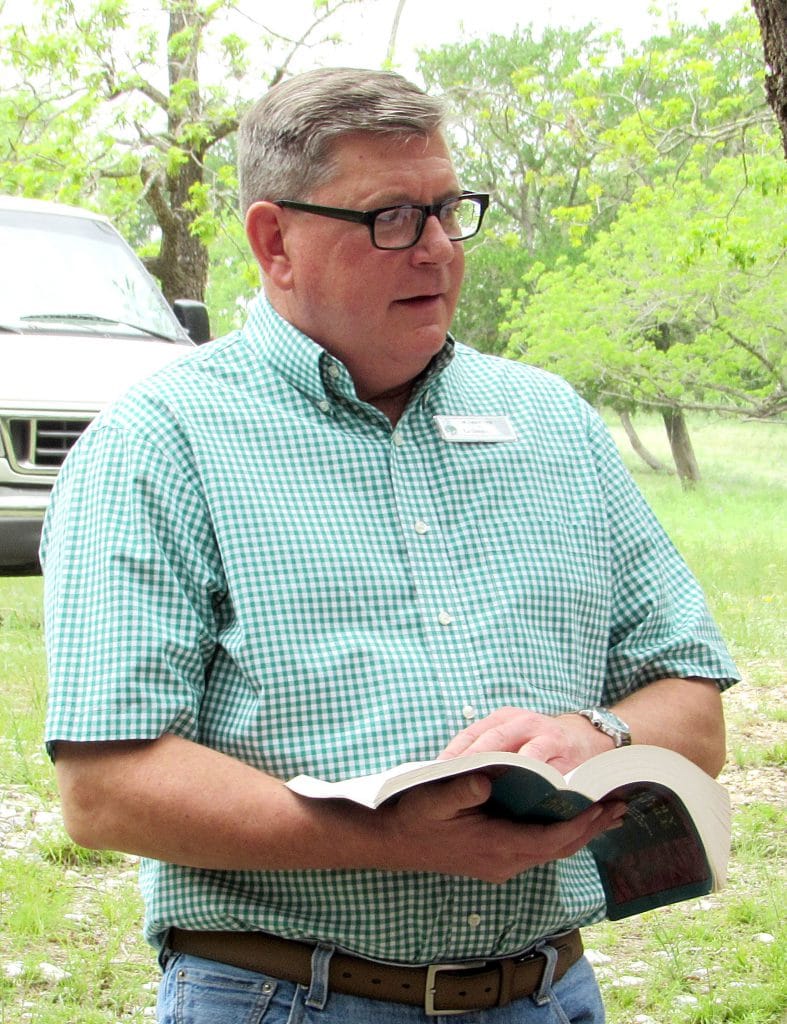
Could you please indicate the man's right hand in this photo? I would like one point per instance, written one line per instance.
(442, 827)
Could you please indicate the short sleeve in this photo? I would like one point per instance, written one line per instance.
(660, 623)
(132, 582)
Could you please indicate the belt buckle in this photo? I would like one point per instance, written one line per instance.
(431, 973)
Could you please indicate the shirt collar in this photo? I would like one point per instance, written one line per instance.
(306, 366)
(289, 353)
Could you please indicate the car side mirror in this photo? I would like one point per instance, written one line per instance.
(193, 316)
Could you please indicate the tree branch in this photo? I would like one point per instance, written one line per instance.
(153, 195)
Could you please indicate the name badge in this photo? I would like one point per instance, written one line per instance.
(484, 429)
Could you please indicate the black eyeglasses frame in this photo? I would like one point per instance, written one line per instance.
(368, 217)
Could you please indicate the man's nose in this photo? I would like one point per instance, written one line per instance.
(434, 243)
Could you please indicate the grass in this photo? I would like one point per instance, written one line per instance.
(71, 951)
(70, 919)
(723, 959)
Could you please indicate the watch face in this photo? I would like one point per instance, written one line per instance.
(609, 723)
(612, 720)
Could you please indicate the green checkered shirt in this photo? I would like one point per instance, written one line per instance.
(242, 553)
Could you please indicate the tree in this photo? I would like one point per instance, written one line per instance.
(681, 305)
(513, 99)
(772, 15)
(111, 112)
(563, 128)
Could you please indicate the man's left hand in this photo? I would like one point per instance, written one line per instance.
(563, 742)
(684, 715)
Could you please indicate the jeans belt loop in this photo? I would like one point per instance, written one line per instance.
(543, 994)
(317, 996)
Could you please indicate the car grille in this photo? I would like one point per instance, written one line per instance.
(41, 445)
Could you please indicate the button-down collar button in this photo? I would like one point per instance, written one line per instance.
(469, 713)
(334, 370)
(324, 406)
(444, 618)
(421, 527)
(474, 920)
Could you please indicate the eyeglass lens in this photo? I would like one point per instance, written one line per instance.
(401, 226)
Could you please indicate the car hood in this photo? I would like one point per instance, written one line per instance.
(67, 371)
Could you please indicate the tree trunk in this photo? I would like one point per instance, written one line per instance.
(182, 262)
(772, 15)
(647, 457)
(681, 446)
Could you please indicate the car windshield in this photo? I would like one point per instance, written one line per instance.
(78, 273)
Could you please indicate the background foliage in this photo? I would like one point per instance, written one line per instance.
(636, 239)
(636, 245)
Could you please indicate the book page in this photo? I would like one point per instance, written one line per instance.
(367, 790)
(373, 790)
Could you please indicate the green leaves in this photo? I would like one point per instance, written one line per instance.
(681, 303)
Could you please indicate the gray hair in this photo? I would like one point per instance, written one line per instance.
(286, 140)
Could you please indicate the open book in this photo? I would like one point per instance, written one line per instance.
(674, 843)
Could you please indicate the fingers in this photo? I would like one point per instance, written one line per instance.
(444, 801)
(561, 741)
(510, 729)
(439, 827)
(488, 733)
(519, 847)
(587, 826)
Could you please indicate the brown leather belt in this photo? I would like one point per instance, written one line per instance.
(442, 989)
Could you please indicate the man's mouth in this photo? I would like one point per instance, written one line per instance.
(419, 300)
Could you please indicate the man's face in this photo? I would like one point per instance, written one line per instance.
(384, 314)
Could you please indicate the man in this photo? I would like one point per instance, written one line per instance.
(334, 541)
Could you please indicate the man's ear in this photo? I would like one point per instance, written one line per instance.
(266, 238)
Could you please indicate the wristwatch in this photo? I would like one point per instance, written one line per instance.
(608, 723)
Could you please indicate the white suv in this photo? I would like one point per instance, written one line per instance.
(80, 321)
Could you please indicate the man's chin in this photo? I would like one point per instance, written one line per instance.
(427, 340)
(425, 322)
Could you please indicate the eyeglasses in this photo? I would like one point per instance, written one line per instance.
(400, 227)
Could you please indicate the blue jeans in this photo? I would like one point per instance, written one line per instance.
(195, 991)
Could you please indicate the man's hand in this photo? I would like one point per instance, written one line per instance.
(441, 827)
(684, 715)
(563, 742)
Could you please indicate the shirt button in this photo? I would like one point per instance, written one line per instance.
(324, 406)
(397, 439)
(444, 618)
(334, 370)
(474, 920)
(469, 713)
(421, 527)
